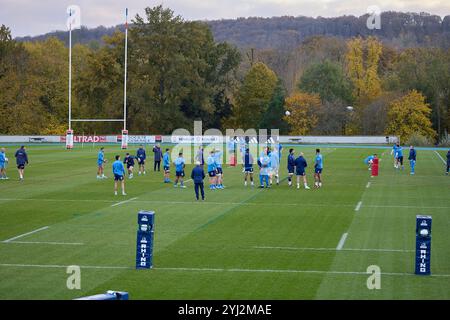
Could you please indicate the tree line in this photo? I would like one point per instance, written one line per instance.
(178, 73)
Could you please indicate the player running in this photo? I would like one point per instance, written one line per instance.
(212, 173)
(274, 166)
(318, 168)
(264, 163)
(412, 159)
(141, 156)
(100, 163)
(248, 167)
(300, 166)
(218, 161)
(129, 161)
(166, 165)
(21, 160)
(399, 157)
(290, 166)
(119, 175)
(3, 162)
(180, 164)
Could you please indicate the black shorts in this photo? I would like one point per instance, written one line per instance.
(141, 161)
(291, 170)
(219, 171)
(118, 177)
(21, 166)
(130, 166)
(300, 173)
(212, 174)
(180, 174)
(166, 169)
(400, 159)
(249, 170)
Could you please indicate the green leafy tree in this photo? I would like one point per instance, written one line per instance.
(274, 117)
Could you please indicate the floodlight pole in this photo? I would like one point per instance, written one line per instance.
(125, 75)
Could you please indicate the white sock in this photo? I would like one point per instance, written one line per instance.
(245, 183)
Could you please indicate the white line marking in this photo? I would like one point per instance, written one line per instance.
(342, 241)
(445, 162)
(368, 185)
(188, 181)
(219, 270)
(334, 249)
(358, 206)
(26, 234)
(271, 204)
(123, 202)
(44, 242)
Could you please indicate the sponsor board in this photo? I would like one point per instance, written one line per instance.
(85, 139)
(138, 139)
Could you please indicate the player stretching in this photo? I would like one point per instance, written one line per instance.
(119, 175)
(318, 168)
(290, 166)
(100, 161)
(3, 162)
(129, 161)
(274, 166)
(141, 156)
(399, 157)
(211, 162)
(21, 160)
(412, 159)
(180, 164)
(218, 161)
(300, 166)
(248, 167)
(166, 164)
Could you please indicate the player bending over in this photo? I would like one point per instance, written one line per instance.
(119, 175)
(180, 164)
(318, 168)
(129, 161)
(369, 161)
(300, 166)
(212, 173)
(3, 162)
(166, 165)
(141, 156)
(248, 167)
(274, 166)
(100, 163)
(290, 166)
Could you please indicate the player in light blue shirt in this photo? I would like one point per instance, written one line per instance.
(264, 171)
(180, 164)
(100, 163)
(318, 168)
(166, 165)
(368, 161)
(212, 170)
(274, 166)
(218, 161)
(3, 162)
(399, 157)
(118, 170)
(394, 153)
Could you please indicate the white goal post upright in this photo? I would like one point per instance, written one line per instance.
(70, 133)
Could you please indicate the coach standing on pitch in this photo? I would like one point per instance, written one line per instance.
(158, 156)
(197, 175)
(21, 160)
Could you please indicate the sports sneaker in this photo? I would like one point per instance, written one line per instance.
(175, 186)
(115, 193)
(124, 194)
(184, 187)
(307, 188)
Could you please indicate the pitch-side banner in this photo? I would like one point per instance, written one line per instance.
(138, 139)
(85, 139)
(197, 139)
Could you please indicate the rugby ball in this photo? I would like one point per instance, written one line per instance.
(288, 113)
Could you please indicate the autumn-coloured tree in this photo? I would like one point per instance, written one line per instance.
(410, 114)
(303, 108)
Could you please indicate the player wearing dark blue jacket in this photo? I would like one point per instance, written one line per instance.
(300, 170)
(21, 160)
(290, 165)
(129, 161)
(197, 175)
(448, 161)
(412, 159)
(141, 156)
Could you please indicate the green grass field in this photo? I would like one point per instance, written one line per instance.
(242, 243)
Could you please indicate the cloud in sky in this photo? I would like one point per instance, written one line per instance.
(31, 17)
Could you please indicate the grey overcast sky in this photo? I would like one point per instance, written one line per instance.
(33, 17)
